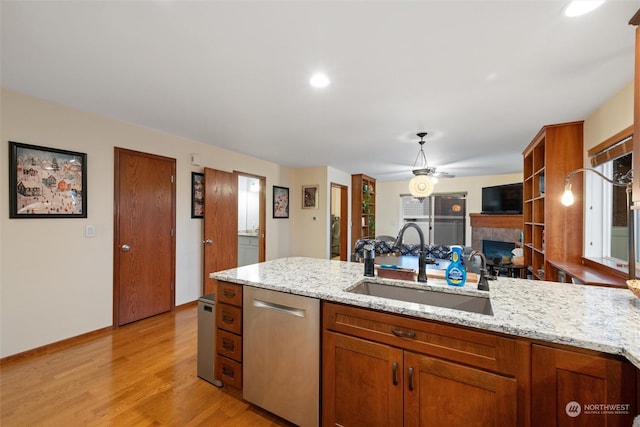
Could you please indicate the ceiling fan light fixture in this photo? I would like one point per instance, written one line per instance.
(421, 186)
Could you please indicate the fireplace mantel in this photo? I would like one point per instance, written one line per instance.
(496, 221)
(505, 228)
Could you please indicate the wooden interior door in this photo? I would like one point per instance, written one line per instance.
(220, 236)
(144, 235)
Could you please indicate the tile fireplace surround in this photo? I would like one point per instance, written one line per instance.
(505, 228)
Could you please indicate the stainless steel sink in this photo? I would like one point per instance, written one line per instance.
(471, 303)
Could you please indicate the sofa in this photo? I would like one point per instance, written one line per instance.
(384, 246)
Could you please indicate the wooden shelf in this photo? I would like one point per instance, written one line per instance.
(551, 230)
(363, 207)
(588, 273)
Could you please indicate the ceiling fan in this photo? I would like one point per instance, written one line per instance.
(423, 167)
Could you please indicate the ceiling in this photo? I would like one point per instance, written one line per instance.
(481, 77)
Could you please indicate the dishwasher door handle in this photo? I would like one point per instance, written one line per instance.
(280, 308)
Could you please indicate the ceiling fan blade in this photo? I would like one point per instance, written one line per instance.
(443, 175)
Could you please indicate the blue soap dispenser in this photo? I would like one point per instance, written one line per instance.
(456, 274)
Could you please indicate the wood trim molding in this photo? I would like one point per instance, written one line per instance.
(622, 135)
(496, 221)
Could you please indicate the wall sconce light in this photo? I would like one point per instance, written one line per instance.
(624, 181)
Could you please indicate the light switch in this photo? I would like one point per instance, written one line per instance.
(90, 231)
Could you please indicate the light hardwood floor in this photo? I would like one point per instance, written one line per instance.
(140, 374)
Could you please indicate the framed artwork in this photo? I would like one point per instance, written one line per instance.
(46, 182)
(309, 197)
(197, 195)
(280, 202)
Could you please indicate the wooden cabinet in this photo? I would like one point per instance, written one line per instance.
(381, 369)
(636, 116)
(571, 388)
(552, 231)
(363, 207)
(362, 382)
(439, 392)
(247, 250)
(228, 363)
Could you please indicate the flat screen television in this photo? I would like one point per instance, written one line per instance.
(502, 199)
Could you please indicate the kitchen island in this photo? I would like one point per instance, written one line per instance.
(534, 325)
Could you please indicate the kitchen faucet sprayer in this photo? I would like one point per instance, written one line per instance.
(422, 255)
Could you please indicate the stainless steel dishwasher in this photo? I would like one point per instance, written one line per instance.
(281, 361)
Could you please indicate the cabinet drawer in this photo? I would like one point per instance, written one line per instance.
(229, 293)
(229, 318)
(229, 372)
(479, 349)
(229, 345)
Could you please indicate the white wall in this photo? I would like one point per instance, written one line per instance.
(388, 198)
(55, 283)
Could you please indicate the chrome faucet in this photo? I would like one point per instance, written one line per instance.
(422, 255)
(483, 285)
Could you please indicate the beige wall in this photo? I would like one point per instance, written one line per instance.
(388, 198)
(56, 283)
(610, 118)
(311, 228)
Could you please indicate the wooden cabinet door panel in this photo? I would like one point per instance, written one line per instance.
(359, 385)
(220, 228)
(441, 393)
(566, 385)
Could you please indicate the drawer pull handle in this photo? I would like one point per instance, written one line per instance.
(228, 293)
(403, 334)
(410, 379)
(228, 319)
(394, 371)
(227, 371)
(228, 345)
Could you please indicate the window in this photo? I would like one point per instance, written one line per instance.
(441, 217)
(606, 215)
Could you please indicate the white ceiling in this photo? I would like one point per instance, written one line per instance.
(481, 77)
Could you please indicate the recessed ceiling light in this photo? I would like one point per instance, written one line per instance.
(581, 7)
(319, 80)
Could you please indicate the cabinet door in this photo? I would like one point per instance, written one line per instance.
(571, 389)
(362, 383)
(441, 393)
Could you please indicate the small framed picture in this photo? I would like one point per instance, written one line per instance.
(280, 202)
(309, 197)
(197, 195)
(46, 182)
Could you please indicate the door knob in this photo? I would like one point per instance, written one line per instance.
(125, 248)
(208, 242)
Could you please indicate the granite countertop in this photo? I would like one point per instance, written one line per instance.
(590, 317)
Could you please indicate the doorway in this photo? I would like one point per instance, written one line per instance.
(251, 219)
(144, 249)
(338, 223)
(222, 215)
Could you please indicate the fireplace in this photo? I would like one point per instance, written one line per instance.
(501, 228)
(494, 250)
